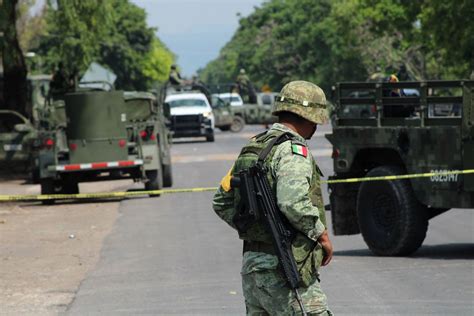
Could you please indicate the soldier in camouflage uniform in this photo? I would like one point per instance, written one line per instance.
(295, 181)
(175, 77)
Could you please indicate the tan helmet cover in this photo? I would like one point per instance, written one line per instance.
(303, 98)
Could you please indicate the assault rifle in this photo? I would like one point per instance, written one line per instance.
(258, 202)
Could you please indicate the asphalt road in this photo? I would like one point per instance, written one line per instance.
(173, 255)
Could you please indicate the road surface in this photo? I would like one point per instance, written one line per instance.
(173, 255)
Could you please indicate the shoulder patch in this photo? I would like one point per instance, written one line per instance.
(299, 149)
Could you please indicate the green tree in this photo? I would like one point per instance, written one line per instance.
(14, 66)
(132, 50)
(73, 33)
(157, 62)
(79, 32)
(346, 40)
(448, 30)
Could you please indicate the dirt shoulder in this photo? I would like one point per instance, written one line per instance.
(46, 251)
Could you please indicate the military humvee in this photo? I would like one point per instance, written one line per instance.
(225, 115)
(17, 139)
(257, 112)
(109, 135)
(407, 134)
(18, 133)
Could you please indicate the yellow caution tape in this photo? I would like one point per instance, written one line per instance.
(399, 177)
(105, 195)
(101, 195)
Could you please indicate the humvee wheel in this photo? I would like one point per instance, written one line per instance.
(237, 124)
(50, 186)
(155, 182)
(210, 137)
(167, 176)
(391, 220)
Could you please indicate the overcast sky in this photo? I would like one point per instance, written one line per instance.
(195, 30)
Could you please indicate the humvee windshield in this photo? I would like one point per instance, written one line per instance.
(187, 102)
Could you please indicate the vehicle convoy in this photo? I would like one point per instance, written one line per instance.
(191, 115)
(109, 135)
(403, 137)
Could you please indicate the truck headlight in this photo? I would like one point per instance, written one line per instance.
(207, 114)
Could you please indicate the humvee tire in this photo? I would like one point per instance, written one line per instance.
(237, 124)
(391, 220)
(155, 182)
(50, 186)
(167, 175)
(210, 137)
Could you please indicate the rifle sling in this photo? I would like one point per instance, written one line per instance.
(275, 141)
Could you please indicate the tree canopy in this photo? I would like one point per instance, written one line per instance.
(113, 33)
(345, 40)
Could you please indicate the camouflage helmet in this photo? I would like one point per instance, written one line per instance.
(304, 99)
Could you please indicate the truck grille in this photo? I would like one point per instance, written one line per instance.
(181, 122)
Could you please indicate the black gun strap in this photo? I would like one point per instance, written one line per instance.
(275, 141)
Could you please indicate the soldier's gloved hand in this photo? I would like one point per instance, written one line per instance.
(327, 247)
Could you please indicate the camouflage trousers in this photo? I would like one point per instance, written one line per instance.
(267, 293)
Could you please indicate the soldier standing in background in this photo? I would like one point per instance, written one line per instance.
(403, 74)
(295, 180)
(175, 77)
(245, 87)
(60, 82)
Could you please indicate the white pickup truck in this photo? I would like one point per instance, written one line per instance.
(191, 115)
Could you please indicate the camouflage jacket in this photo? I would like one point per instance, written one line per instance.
(295, 180)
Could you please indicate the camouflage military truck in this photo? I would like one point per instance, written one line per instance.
(18, 133)
(17, 139)
(109, 135)
(224, 113)
(406, 135)
(259, 112)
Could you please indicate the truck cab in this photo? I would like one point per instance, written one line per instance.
(191, 115)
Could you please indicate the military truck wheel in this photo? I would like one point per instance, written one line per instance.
(70, 187)
(237, 124)
(155, 182)
(391, 220)
(167, 176)
(50, 186)
(210, 137)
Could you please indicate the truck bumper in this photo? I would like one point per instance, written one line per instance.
(96, 166)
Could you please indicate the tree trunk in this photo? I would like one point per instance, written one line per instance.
(15, 86)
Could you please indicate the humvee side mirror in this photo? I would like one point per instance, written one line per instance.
(23, 128)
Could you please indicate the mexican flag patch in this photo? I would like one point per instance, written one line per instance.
(299, 150)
